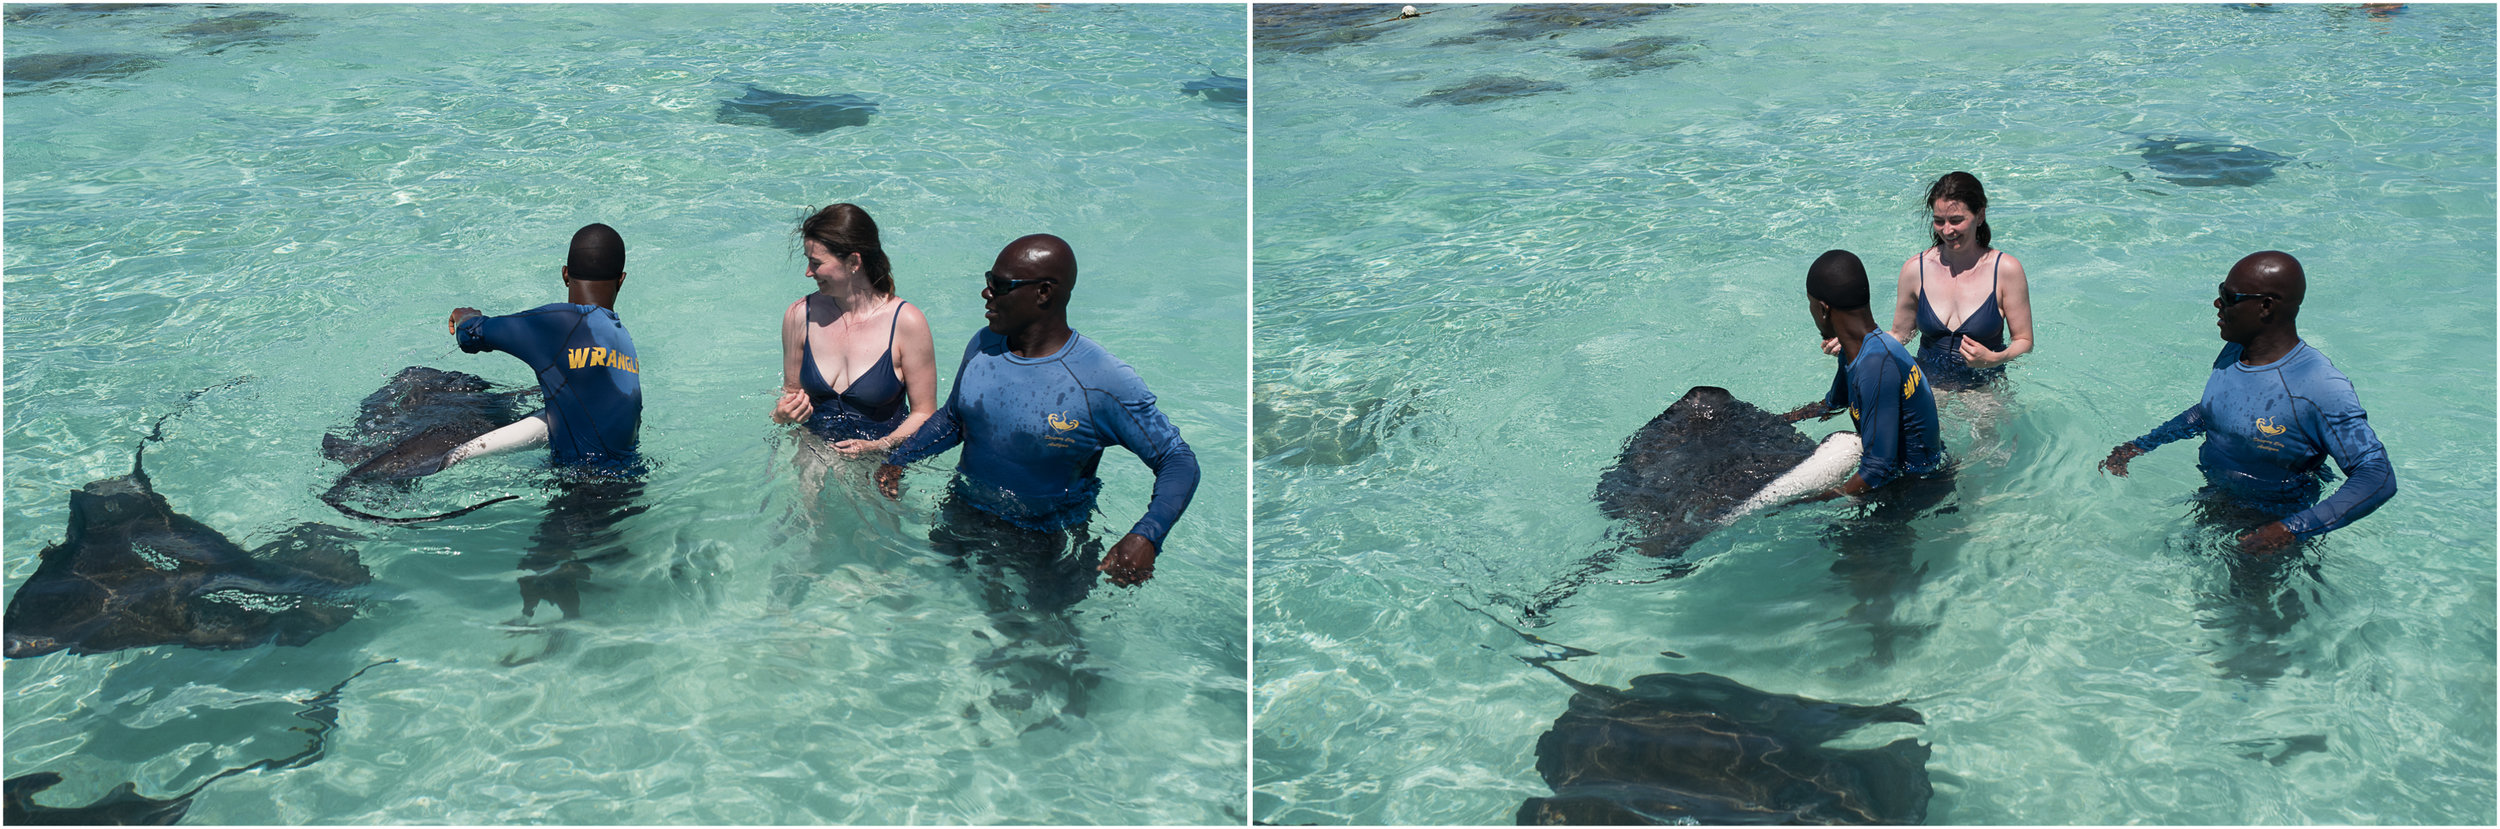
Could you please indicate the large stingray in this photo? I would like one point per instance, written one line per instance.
(1311, 27)
(1487, 89)
(133, 573)
(1699, 748)
(124, 806)
(1708, 459)
(32, 73)
(802, 114)
(2208, 162)
(404, 430)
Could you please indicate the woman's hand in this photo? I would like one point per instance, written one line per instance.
(1978, 356)
(1831, 346)
(855, 447)
(794, 407)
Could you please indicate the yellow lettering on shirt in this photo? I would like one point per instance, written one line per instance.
(573, 357)
(1910, 386)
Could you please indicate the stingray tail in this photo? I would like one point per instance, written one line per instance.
(156, 432)
(332, 498)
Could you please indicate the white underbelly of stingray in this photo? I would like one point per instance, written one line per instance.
(1831, 463)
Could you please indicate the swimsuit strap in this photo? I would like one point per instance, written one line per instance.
(890, 325)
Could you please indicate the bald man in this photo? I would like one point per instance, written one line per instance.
(1034, 405)
(2274, 410)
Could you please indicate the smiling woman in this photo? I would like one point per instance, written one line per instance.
(755, 643)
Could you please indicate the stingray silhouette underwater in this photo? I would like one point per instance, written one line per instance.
(802, 114)
(133, 573)
(2192, 161)
(1687, 748)
(406, 429)
(1219, 89)
(124, 806)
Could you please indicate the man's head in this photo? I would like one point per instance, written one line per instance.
(1029, 283)
(598, 255)
(1837, 283)
(2261, 293)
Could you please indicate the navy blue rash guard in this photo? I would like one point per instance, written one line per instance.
(588, 372)
(1892, 409)
(1034, 431)
(2269, 430)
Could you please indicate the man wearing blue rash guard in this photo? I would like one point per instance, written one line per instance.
(1034, 405)
(2274, 410)
(1888, 401)
(592, 381)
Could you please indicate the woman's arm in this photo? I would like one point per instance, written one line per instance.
(793, 405)
(915, 359)
(2014, 301)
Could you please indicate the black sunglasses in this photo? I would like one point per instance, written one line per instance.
(1000, 285)
(2231, 297)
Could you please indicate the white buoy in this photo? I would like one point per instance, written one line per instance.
(1406, 12)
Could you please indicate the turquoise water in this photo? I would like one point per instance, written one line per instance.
(295, 196)
(1467, 297)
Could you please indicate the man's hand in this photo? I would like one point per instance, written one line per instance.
(1131, 562)
(2116, 463)
(890, 481)
(1815, 410)
(793, 407)
(2268, 539)
(458, 314)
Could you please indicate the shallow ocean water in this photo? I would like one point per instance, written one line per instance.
(1492, 242)
(280, 204)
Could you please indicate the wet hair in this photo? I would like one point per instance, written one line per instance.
(598, 254)
(1837, 279)
(845, 229)
(1962, 187)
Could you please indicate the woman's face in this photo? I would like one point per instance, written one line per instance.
(1956, 225)
(826, 268)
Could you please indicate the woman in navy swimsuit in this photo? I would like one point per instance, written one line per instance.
(1968, 302)
(857, 365)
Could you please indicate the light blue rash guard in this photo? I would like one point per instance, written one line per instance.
(1034, 430)
(2269, 430)
(1892, 409)
(586, 369)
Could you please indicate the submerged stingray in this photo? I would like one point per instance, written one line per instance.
(1486, 89)
(254, 28)
(1636, 55)
(133, 573)
(28, 73)
(1687, 748)
(1709, 459)
(1551, 20)
(404, 430)
(802, 114)
(1219, 89)
(2208, 162)
(1311, 27)
(124, 806)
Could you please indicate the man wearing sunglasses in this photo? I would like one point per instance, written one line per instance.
(1034, 405)
(2274, 410)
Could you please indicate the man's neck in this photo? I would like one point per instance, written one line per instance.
(2269, 345)
(1040, 339)
(1851, 327)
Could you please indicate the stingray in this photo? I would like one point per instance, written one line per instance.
(802, 114)
(133, 573)
(1551, 20)
(124, 806)
(1636, 55)
(404, 431)
(28, 73)
(1311, 27)
(1486, 89)
(2208, 162)
(1701, 748)
(1219, 89)
(254, 28)
(1709, 459)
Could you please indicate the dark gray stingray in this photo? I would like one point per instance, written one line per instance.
(1687, 748)
(124, 806)
(1638, 54)
(1688, 467)
(404, 429)
(1219, 89)
(1550, 20)
(133, 573)
(802, 114)
(254, 28)
(2208, 162)
(1311, 27)
(1486, 89)
(32, 73)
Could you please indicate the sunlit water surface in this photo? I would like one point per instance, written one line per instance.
(1489, 249)
(295, 196)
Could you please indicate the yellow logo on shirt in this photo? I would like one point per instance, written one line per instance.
(1910, 386)
(596, 356)
(1062, 423)
(2266, 425)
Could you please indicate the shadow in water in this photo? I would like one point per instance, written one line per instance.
(581, 529)
(2260, 600)
(1876, 557)
(1028, 582)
